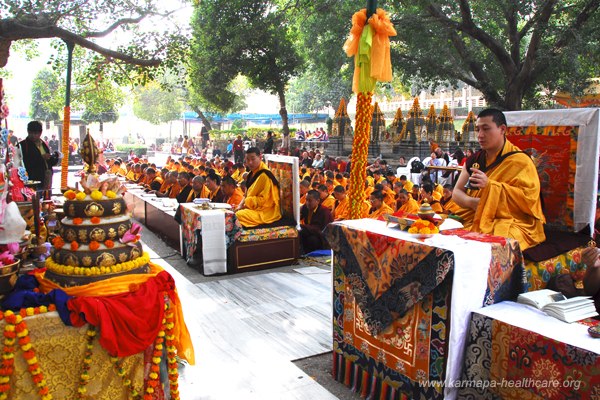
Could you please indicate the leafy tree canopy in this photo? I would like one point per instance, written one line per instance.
(509, 50)
(232, 37)
(142, 33)
(47, 96)
(156, 105)
(101, 101)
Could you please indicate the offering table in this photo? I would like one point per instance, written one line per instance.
(401, 305)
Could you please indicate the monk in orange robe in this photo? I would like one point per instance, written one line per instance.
(379, 207)
(503, 196)
(233, 194)
(406, 203)
(261, 205)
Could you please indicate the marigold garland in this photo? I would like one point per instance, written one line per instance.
(84, 377)
(94, 245)
(74, 245)
(118, 365)
(171, 353)
(91, 271)
(360, 151)
(109, 243)
(78, 221)
(17, 328)
(153, 382)
(95, 220)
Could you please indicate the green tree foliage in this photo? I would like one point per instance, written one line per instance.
(320, 29)
(309, 93)
(251, 38)
(101, 102)
(47, 96)
(139, 51)
(510, 50)
(156, 105)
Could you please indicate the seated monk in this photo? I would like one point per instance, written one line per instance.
(341, 210)
(426, 196)
(449, 206)
(233, 194)
(304, 188)
(199, 189)
(326, 199)
(314, 217)
(261, 203)
(406, 204)
(406, 184)
(154, 182)
(213, 182)
(379, 207)
(503, 197)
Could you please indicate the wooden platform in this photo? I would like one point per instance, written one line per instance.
(252, 256)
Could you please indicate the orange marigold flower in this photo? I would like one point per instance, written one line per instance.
(74, 245)
(78, 221)
(95, 220)
(109, 243)
(94, 245)
(70, 194)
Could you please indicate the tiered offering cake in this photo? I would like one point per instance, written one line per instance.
(97, 239)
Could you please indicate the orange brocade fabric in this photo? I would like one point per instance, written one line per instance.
(130, 284)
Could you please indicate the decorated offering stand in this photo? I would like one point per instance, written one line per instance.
(100, 319)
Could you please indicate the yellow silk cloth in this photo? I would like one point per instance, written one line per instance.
(411, 206)
(510, 203)
(384, 209)
(124, 284)
(60, 351)
(262, 202)
(371, 49)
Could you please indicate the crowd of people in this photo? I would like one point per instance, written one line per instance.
(495, 190)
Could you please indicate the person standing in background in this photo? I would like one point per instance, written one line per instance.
(37, 157)
(269, 143)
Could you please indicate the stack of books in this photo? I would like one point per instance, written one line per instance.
(556, 305)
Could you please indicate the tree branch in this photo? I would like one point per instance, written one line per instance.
(12, 30)
(536, 38)
(110, 29)
(513, 33)
(468, 27)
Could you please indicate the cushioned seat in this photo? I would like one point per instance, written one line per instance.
(277, 244)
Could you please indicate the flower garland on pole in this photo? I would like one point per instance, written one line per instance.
(369, 43)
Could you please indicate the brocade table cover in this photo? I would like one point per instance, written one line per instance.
(192, 222)
(60, 351)
(401, 305)
(517, 352)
